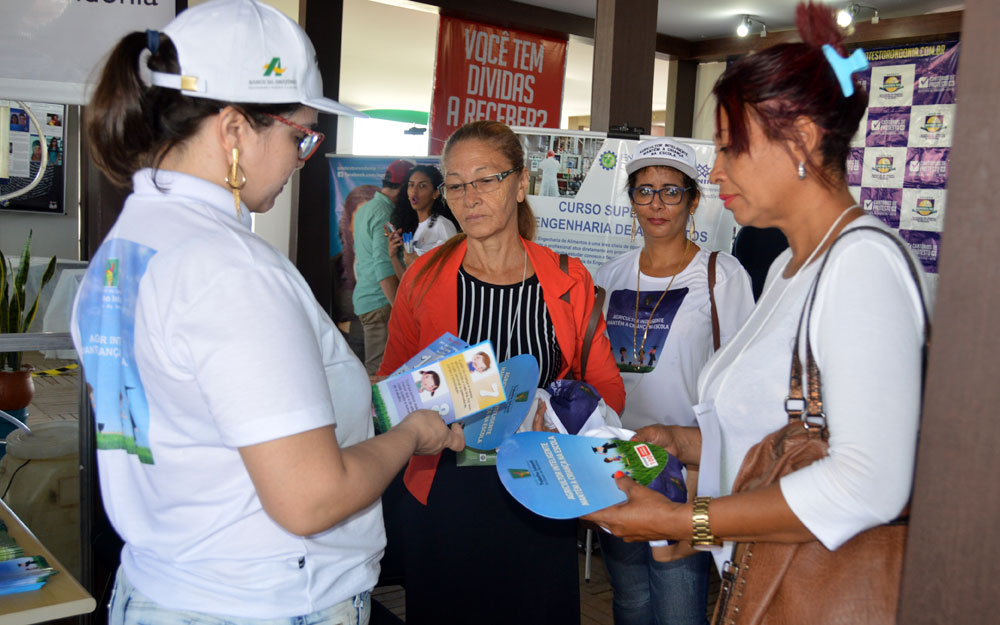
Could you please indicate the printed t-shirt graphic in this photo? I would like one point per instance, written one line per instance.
(623, 320)
(107, 304)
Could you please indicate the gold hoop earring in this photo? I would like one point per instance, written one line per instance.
(236, 174)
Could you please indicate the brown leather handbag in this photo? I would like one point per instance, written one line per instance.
(806, 583)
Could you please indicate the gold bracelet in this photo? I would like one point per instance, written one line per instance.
(702, 536)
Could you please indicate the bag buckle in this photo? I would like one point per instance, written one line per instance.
(795, 406)
(817, 421)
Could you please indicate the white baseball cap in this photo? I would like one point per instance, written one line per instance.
(245, 51)
(664, 152)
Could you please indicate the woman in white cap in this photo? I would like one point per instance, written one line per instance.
(236, 455)
(659, 311)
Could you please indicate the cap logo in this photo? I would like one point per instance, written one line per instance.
(274, 67)
(665, 149)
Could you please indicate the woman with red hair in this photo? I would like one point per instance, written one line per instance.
(784, 119)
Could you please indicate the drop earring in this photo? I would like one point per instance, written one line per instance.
(802, 170)
(691, 229)
(631, 240)
(236, 180)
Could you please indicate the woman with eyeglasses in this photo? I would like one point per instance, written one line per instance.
(420, 210)
(502, 563)
(841, 314)
(236, 454)
(660, 315)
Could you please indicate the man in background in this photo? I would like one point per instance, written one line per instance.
(376, 280)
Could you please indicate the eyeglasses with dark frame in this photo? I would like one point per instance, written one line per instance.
(670, 195)
(309, 143)
(486, 184)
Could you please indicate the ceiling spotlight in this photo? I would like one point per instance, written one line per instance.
(746, 23)
(744, 28)
(847, 15)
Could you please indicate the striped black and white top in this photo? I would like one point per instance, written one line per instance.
(490, 312)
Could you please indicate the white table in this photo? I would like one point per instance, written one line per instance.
(61, 596)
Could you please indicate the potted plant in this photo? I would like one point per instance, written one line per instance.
(16, 316)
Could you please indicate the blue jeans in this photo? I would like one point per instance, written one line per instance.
(130, 607)
(647, 592)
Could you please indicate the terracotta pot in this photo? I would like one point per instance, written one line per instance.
(16, 388)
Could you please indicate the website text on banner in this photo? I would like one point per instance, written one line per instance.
(487, 72)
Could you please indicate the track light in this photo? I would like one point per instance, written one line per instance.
(847, 15)
(746, 23)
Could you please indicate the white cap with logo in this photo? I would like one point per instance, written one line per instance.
(245, 51)
(664, 152)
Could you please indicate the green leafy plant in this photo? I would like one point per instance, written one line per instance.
(15, 315)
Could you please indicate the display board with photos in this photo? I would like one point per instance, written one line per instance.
(897, 168)
(24, 157)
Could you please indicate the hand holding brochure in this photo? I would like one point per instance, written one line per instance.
(562, 476)
(458, 385)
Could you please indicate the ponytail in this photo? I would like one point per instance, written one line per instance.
(131, 126)
(114, 119)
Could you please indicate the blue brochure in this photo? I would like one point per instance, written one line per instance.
(519, 376)
(458, 385)
(562, 476)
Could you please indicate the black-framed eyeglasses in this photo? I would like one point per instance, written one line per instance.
(669, 195)
(486, 184)
(309, 143)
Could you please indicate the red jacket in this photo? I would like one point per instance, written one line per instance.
(416, 322)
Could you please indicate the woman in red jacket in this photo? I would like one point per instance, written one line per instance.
(490, 283)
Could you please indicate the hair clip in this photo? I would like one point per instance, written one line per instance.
(844, 68)
(152, 40)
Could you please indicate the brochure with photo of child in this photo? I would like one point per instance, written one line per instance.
(562, 476)
(458, 385)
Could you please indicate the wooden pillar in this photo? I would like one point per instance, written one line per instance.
(951, 568)
(311, 218)
(683, 110)
(624, 50)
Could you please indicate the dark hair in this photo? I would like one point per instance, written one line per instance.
(791, 80)
(131, 126)
(403, 215)
(437, 380)
(503, 139)
(689, 183)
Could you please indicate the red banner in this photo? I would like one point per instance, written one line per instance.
(486, 72)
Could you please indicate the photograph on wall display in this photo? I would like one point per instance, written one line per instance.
(25, 151)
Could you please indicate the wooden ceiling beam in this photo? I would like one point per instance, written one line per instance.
(888, 32)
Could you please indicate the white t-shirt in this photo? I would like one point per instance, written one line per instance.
(867, 334)
(199, 338)
(431, 233)
(662, 387)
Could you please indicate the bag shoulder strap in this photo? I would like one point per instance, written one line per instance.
(810, 409)
(716, 333)
(595, 316)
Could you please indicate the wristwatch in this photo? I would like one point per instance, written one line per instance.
(702, 537)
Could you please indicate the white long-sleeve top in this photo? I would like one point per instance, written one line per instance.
(867, 336)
